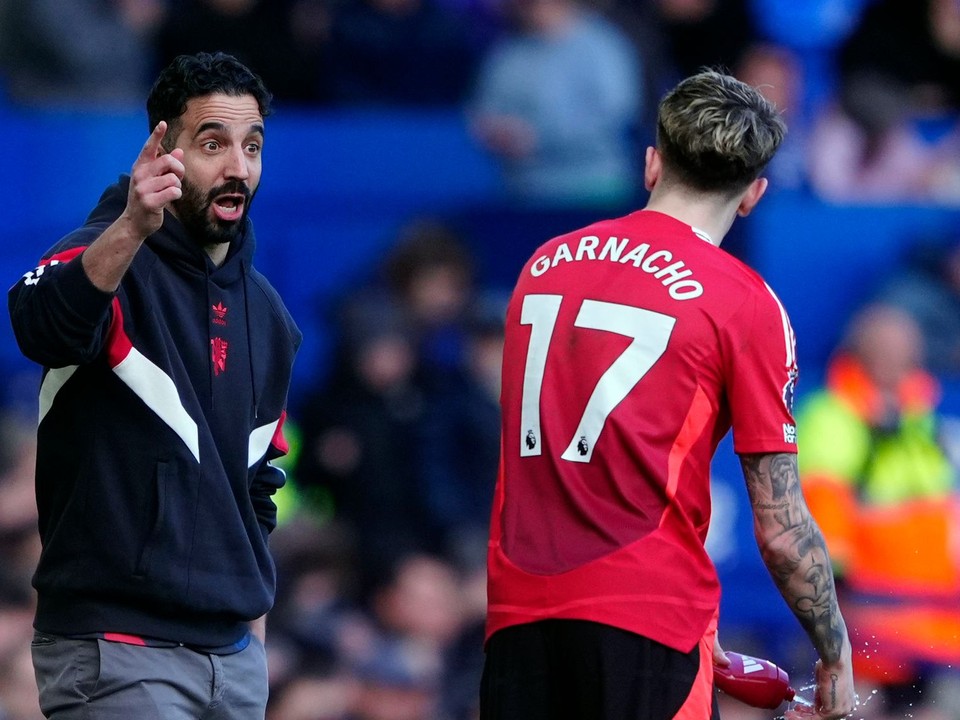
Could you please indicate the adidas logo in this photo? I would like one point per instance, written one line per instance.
(219, 314)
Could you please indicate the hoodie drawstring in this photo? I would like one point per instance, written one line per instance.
(244, 269)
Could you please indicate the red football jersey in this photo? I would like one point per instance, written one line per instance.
(632, 346)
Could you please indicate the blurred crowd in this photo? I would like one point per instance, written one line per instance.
(562, 92)
(382, 539)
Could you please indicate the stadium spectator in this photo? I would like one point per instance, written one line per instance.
(346, 651)
(867, 146)
(460, 439)
(640, 22)
(389, 661)
(19, 550)
(558, 101)
(417, 608)
(401, 346)
(315, 697)
(777, 73)
(893, 130)
(318, 629)
(879, 482)
(429, 273)
(926, 284)
(419, 600)
(19, 544)
(316, 623)
(911, 45)
(397, 683)
(360, 437)
(84, 53)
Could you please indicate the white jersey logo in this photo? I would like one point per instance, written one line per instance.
(33, 277)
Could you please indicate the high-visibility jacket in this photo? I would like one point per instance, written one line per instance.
(885, 494)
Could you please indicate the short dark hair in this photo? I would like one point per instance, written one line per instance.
(716, 133)
(191, 76)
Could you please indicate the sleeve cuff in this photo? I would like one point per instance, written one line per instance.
(85, 299)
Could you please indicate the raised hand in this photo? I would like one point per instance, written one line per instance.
(155, 181)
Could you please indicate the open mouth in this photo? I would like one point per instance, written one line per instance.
(228, 208)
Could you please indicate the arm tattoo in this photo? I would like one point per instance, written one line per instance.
(793, 549)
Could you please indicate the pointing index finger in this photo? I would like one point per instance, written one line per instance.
(152, 146)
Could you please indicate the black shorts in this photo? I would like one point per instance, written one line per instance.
(580, 670)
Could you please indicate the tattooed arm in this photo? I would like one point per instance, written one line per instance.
(795, 553)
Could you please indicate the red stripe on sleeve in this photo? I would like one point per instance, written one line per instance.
(65, 256)
(279, 441)
(118, 344)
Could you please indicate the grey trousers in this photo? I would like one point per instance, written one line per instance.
(100, 680)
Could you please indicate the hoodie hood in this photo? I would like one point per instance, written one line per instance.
(174, 244)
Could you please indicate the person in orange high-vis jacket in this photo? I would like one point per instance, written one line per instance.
(882, 488)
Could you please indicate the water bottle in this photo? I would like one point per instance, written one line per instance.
(754, 681)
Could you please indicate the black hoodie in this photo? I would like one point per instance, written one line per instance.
(161, 406)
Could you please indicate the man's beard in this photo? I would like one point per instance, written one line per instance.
(193, 210)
